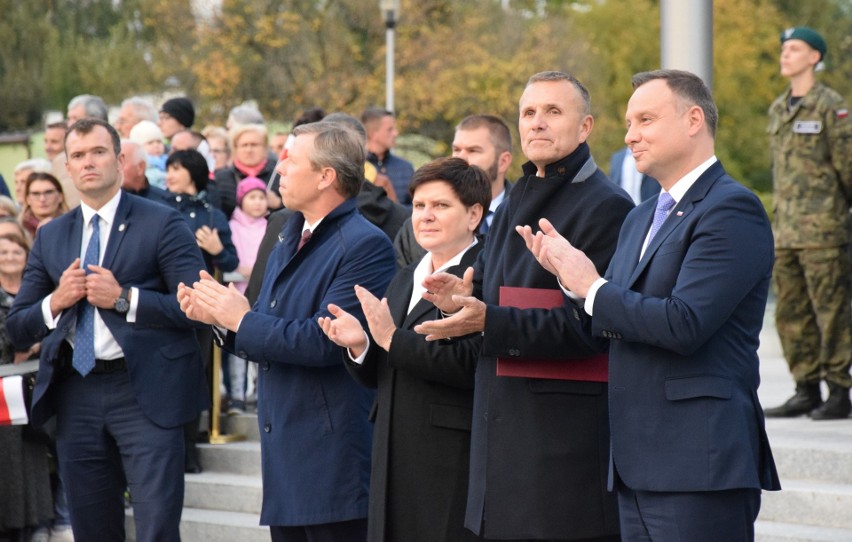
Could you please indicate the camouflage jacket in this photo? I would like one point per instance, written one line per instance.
(811, 150)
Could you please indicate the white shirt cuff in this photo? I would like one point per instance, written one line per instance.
(593, 292)
(134, 305)
(569, 293)
(360, 359)
(49, 320)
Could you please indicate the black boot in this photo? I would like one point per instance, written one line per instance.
(836, 407)
(807, 398)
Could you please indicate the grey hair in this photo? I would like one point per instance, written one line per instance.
(137, 152)
(245, 114)
(94, 106)
(348, 121)
(38, 165)
(549, 76)
(340, 149)
(143, 109)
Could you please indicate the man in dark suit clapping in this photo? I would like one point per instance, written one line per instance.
(682, 303)
(315, 435)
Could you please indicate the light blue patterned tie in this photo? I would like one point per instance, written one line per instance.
(84, 340)
(664, 204)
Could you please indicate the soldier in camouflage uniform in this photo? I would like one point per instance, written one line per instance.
(811, 144)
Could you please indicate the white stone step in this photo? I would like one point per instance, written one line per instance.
(223, 491)
(242, 424)
(809, 503)
(770, 531)
(812, 450)
(236, 458)
(213, 526)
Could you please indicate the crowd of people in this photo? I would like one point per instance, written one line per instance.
(434, 354)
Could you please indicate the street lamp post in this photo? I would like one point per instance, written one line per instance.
(390, 12)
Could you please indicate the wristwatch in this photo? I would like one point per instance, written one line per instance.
(122, 304)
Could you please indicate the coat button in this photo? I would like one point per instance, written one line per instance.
(272, 304)
(267, 428)
(178, 199)
(192, 214)
(243, 354)
(266, 366)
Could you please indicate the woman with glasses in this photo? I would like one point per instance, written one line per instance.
(251, 158)
(44, 200)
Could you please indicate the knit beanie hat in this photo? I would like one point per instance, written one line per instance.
(181, 110)
(144, 132)
(247, 185)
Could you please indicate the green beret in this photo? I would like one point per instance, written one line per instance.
(807, 35)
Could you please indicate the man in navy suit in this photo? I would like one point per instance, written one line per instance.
(623, 172)
(120, 367)
(315, 436)
(682, 304)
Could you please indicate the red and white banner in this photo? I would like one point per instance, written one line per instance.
(12, 403)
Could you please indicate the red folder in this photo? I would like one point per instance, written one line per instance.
(592, 369)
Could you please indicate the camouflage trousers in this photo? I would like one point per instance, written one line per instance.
(813, 314)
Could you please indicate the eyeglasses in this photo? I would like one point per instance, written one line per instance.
(249, 145)
(219, 151)
(46, 194)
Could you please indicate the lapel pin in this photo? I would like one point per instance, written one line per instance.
(680, 213)
(121, 227)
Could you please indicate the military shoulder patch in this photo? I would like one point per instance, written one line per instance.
(842, 113)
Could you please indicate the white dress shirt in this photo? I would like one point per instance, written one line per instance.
(677, 191)
(106, 346)
(423, 270)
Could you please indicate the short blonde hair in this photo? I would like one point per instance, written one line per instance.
(239, 130)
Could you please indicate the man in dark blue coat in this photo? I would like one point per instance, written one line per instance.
(313, 417)
(120, 367)
(682, 303)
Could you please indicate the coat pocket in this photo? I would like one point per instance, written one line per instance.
(678, 389)
(450, 417)
(573, 387)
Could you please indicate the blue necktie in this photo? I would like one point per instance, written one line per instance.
(84, 340)
(664, 204)
(484, 226)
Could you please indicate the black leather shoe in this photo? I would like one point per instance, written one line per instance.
(836, 407)
(807, 398)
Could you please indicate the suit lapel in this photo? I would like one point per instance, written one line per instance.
(74, 241)
(120, 224)
(678, 216)
(284, 250)
(399, 294)
(421, 308)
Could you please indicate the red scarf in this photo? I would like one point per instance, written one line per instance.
(250, 171)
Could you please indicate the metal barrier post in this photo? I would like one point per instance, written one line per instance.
(216, 437)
